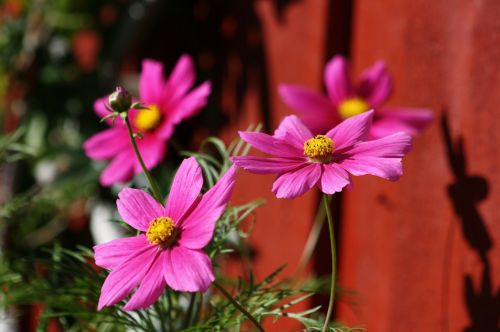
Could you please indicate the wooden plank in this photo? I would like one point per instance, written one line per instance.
(416, 252)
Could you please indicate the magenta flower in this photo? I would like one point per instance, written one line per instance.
(303, 160)
(321, 113)
(169, 101)
(170, 251)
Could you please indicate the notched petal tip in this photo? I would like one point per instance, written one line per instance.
(152, 64)
(186, 57)
(338, 60)
(138, 208)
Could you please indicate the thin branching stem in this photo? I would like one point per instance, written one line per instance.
(238, 306)
(152, 183)
(145, 318)
(326, 204)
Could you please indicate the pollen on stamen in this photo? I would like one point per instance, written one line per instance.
(148, 119)
(319, 149)
(161, 231)
(352, 106)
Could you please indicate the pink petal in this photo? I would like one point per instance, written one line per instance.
(375, 85)
(381, 157)
(293, 131)
(185, 189)
(351, 130)
(261, 165)
(121, 281)
(100, 107)
(394, 119)
(151, 287)
(198, 227)
(153, 151)
(112, 254)
(188, 270)
(151, 82)
(337, 81)
(185, 107)
(182, 78)
(121, 169)
(106, 144)
(295, 183)
(166, 129)
(271, 145)
(386, 168)
(333, 179)
(190, 104)
(392, 146)
(101, 111)
(137, 208)
(314, 109)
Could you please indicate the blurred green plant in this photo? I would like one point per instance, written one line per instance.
(68, 284)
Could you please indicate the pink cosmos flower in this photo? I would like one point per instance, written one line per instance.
(169, 101)
(303, 160)
(170, 251)
(344, 99)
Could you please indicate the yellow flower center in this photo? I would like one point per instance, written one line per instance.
(148, 119)
(162, 231)
(319, 149)
(352, 106)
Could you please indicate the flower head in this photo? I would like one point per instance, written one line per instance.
(167, 102)
(302, 160)
(170, 249)
(344, 100)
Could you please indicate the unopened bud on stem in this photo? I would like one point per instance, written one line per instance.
(120, 100)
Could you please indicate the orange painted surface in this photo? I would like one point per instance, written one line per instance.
(422, 254)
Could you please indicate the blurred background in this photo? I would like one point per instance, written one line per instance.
(421, 254)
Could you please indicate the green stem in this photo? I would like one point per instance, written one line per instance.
(152, 183)
(311, 243)
(189, 312)
(238, 306)
(170, 306)
(326, 204)
(161, 318)
(198, 306)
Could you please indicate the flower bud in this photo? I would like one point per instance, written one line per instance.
(120, 100)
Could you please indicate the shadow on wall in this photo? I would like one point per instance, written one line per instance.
(465, 193)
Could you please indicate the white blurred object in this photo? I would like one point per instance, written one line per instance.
(45, 171)
(102, 228)
(58, 48)
(7, 323)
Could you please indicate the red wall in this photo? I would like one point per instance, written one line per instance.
(419, 254)
(422, 254)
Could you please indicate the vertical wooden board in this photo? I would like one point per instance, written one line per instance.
(421, 255)
(294, 53)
